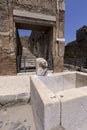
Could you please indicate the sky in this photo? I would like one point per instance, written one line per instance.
(75, 18)
(24, 32)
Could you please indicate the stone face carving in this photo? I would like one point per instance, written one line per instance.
(41, 67)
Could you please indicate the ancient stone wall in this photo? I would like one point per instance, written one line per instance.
(7, 58)
(54, 8)
(53, 15)
(39, 44)
(76, 51)
(39, 6)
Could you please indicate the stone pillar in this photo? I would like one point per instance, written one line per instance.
(7, 55)
(11, 27)
(58, 47)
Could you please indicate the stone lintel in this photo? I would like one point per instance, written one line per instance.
(27, 14)
(28, 23)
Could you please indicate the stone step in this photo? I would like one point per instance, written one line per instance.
(28, 55)
(14, 89)
(28, 65)
(29, 58)
(28, 62)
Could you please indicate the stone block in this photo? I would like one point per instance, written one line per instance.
(14, 89)
(60, 109)
(44, 7)
(46, 106)
(74, 109)
(34, 15)
(5, 99)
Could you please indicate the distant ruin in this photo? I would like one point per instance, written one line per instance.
(76, 51)
(36, 15)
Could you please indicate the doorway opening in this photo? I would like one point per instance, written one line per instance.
(32, 41)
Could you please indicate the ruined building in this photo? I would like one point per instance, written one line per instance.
(46, 20)
(76, 51)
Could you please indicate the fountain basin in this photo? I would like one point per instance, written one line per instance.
(59, 101)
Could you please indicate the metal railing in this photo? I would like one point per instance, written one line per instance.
(24, 64)
(76, 62)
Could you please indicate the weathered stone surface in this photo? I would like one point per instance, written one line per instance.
(64, 109)
(44, 7)
(74, 117)
(61, 49)
(14, 90)
(45, 105)
(41, 67)
(8, 63)
(58, 64)
(17, 118)
(34, 15)
(61, 4)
